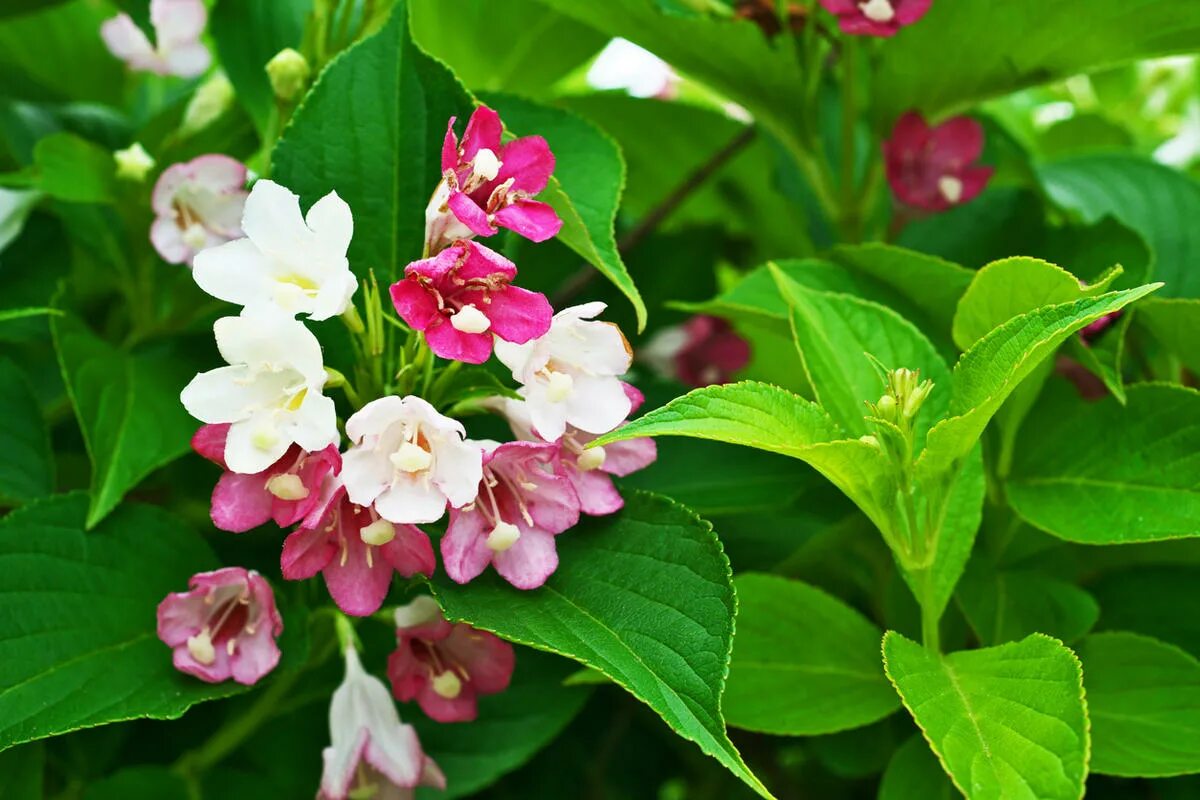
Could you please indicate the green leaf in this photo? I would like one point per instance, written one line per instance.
(128, 410)
(1159, 601)
(70, 168)
(996, 364)
(57, 54)
(1156, 201)
(77, 642)
(643, 596)
(1100, 473)
(1175, 323)
(914, 772)
(585, 190)
(248, 34)
(26, 461)
(1007, 721)
(1003, 605)
(21, 772)
(511, 726)
(981, 55)
(804, 663)
(1144, 702)
(372, 128)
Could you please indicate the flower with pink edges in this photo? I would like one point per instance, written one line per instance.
(934, 168)
(355, 550)
(178, 25)
(372, 754)
(462, 296)
(486, 184)
(224, 627)
(701, 352)
(590, 470)
(197, 204)
(876, 17)
(287, 491)
(445, 667)
(524, 501)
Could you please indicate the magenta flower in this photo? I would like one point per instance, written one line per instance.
(876, 17)
(443, 666)
(372, 754)
(486, 184)
(197, 204)
(524, 501)
(355, 550)
(933, 168)
(464, 295)
(700, 352)
(1093, 331)
(287, 491)
(224, 626)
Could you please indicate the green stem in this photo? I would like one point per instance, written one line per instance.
(930, 618)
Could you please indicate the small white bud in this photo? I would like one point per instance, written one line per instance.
(378, 533)
(560, 385)
(287, 486)
(201, 648)
(411, 458)
(133, 163)
(591, 459)
(503, 536)
(447, 685)
(470, 319)
(951, 188)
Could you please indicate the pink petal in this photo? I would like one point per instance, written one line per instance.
(445, 709)
(449, 342)
(470, 214)
(179, 616)
(840, 7)
(177, 21)
(254, 656)
(215, 672)
(241, 502)
(909, 133)
(410, 552)
(465, 554)
(126, 41)
(168, 242)
(529, 162)
(861, 26)
(974, 180)
(909, 11)
(518, 315)
(450, 147)
(484, 129)
(534, 220)
(209, 442)
(956, 143)
(488, 659)
(484, 262)
(306, 552)
(529, 562)
(415, 305)
(597, 494)
(625, 458)
(406, 673)
(358, 587)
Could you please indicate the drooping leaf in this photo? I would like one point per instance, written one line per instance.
(915, 772)
(26, 461)
(1102, 473)
(77, 640)
(1144, 703)
(645, 597)
(71, 168)
(804, 663)
(1007, 721)
(371, 128)
(1003, 605)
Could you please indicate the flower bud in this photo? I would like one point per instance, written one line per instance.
(211, 100)
(133, 163)
(289, 72)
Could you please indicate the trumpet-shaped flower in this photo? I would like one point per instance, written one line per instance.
(287, 491)
(372, 754)
(486, 184)
(876, 17)
(570, 374)
(463, 296)
(934, 168)
(224, 627)
(270, 392)
(197, 205)
(524, 501)
(408, 460)
(295, 262)
(178, 25)
(443, 666)
(355, 550)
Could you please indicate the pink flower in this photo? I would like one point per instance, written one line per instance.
(355, 550)
(372, 753)
(486, 183)
(524, 501)
(287, 491)
(700, 352)
(178, 25)
(876, 17)
(224, 627)
(1092, 332)
(197, 204)
(464, 295)
(933, 168)
(445, 667)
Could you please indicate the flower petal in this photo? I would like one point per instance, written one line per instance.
(465, 554)
(534, 220)
(529, 562)
(240, 502)
(519, 315)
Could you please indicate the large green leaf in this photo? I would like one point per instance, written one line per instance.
(913, 773)
(646, 598)
(127, 407)
(1003, 605)
(1175, 323)
(371, 128)
(77, 639)
(1006, 722)
(996, 364)
(1156, 201)
(1159, 601)
(969, 50)
(1144, 702)
(26, 461)
(589, 175)
(57, 54)
(1100, 473)
(804, 663)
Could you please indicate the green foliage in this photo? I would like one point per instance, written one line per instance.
(26, 461)
(915, 772)
(70, 168)
(1002, 605)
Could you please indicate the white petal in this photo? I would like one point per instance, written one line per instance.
(177, 21)
(333, 297)
(314, 424)
(272, 219)
(187, 60)
(330, 219)
(365, 474)
(221, 395)
(236, 272)
(420, 409)
(254, 444)
(597, 405)
(516, 357)
(375, 417)
(411, 499)
(596, 348)
(549, 419)
(125, 39)
(458, 471)
(168, 241)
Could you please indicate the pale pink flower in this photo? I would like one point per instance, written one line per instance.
(524, 501)
(463, 296)
(445, 667)
(178, 25)
(876, 17)
(934, 168)
(197, 204)
(372, 753)
(224, 626)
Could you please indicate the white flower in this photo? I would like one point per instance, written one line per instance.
(409, 460)
(571, 374)
(271, 392)
(178, 25)
(624, 65)
(295, 262)
(15, 207)
(197, 205)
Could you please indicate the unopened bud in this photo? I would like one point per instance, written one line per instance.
(886, 407)
(289, 73)
(912, 403)
(133, 163)
(211, 100)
